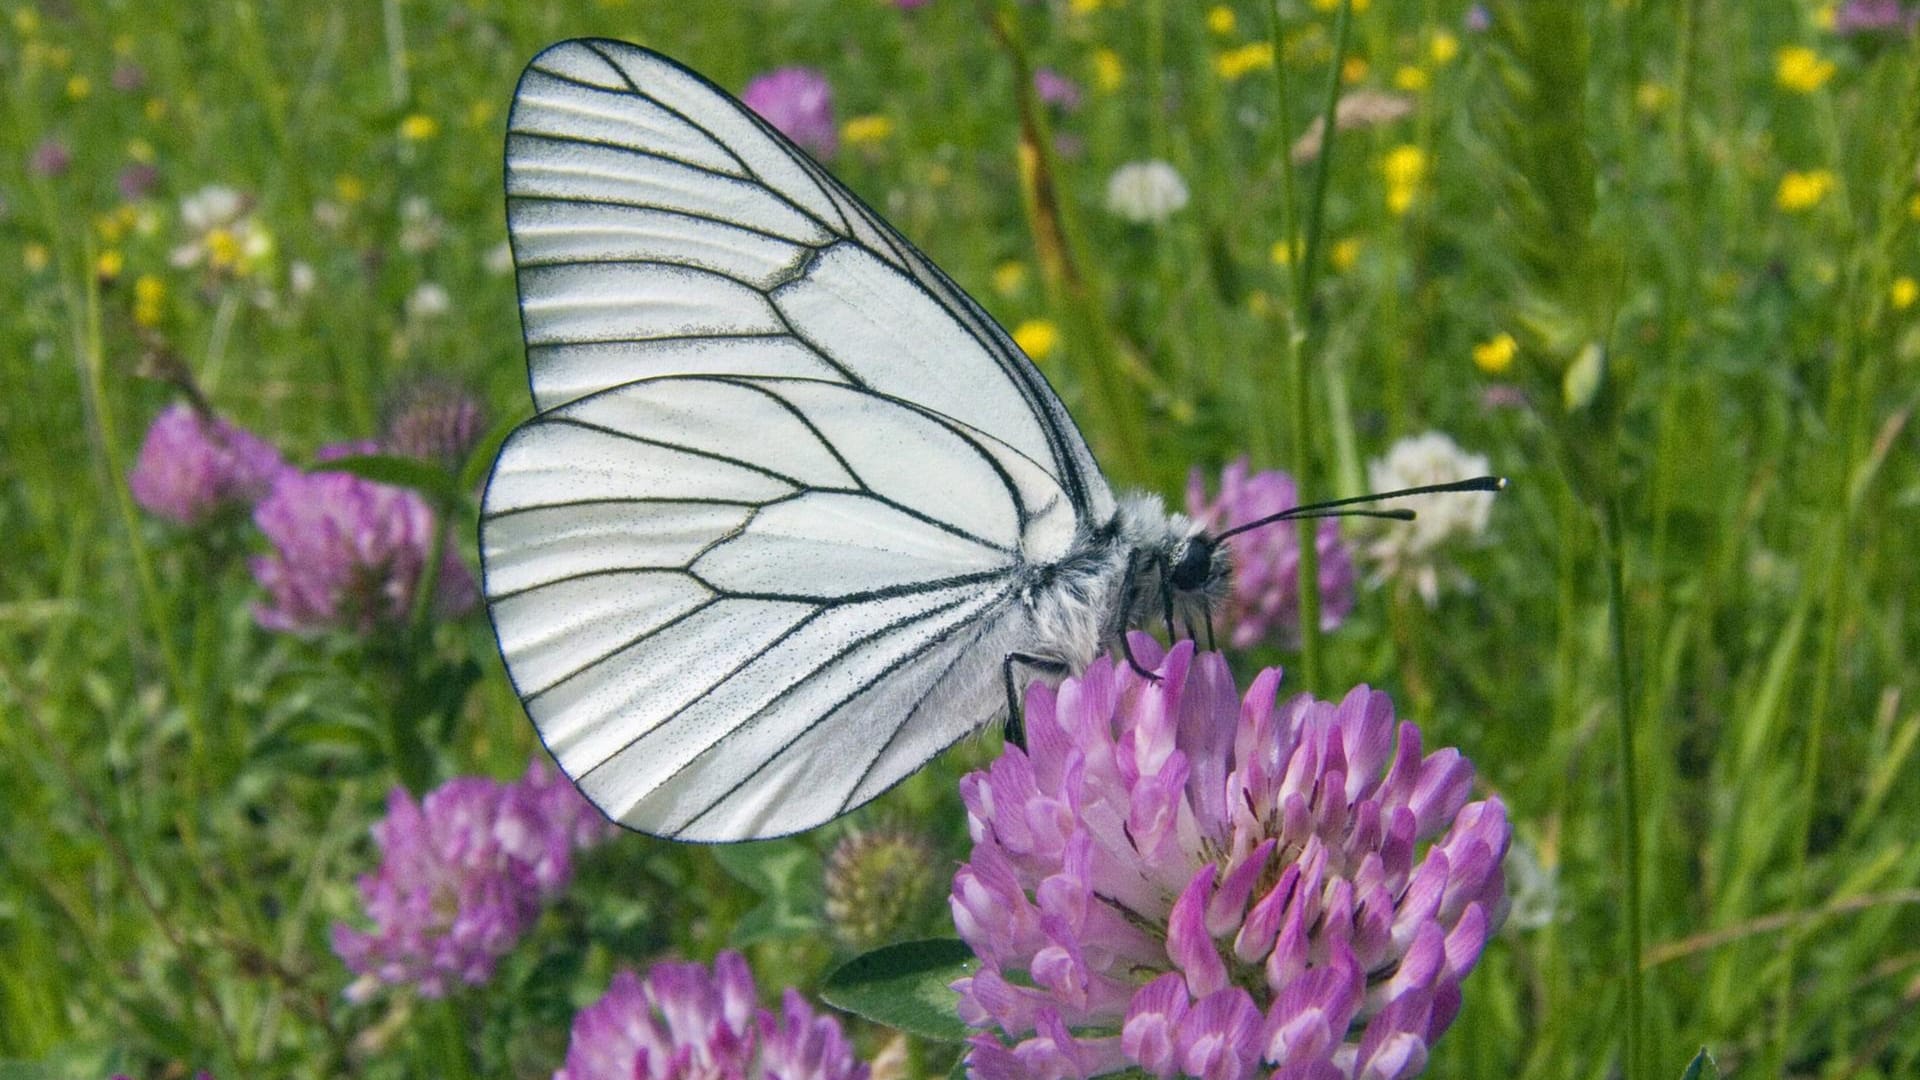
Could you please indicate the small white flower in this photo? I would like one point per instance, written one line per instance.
(1146, 192)
(420, 227)
(1409, 551)
(301, 278)
(1533, 888)
(428, 301)
(328, 214)
(500, 258)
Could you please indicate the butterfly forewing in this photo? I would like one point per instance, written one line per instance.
(756, 558)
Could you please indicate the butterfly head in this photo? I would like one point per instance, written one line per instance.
(1181, 569)
(1198, 564)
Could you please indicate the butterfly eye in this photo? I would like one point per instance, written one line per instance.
(1191, 566)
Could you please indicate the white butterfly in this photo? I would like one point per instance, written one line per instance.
(794, 509)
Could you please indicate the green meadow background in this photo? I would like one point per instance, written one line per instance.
(1687, 660)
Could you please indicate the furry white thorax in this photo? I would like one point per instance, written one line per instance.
(1074, 607)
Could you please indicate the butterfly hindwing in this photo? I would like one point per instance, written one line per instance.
(733, 611)
(756, 558)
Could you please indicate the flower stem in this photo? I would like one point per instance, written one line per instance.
(1103, 362)
(1629, 783)
(405, 701)
(445, 1046)
(1302, 273)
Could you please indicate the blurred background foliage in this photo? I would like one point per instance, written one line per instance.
(1657, 260)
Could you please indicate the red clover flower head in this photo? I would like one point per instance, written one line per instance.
(1174, 879)
(192, 466)
(464, 873)
(1866, 17)
(50, 158)
(349, 553)
(684, 1022)
(1056, 89)
(137, 181)
(435, 421)
(1266, 561)
(799, 102)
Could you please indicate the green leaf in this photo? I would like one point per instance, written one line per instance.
(480, 458)
(774, 920)
(1702, 1067)
(425, 477)
(905, 987)
(786, 874)
(783, 867)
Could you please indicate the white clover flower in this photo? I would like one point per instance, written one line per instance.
(1412, 551)
(222, 232)
(212, 207)
(1146, 192)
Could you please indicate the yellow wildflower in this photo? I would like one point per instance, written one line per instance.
(35, 257)
(1237, 63)
(79, 88)
(113, 227)
(1443, 47)
(26, 20)
(349, 188)
(1109, 73)
(1823, 17)
(1410, 79)
(1085, 7)
(1037, 338)
(1282, 253)
(155, 110)
(109, 264)
(1913, 208)
(1803, 190)
(140, 150)
(866, 130)
(1220, 19)
(1495, 355)
(1651, 97)
(1344, 254)
(149, 294)
(1801, 70)
(1259, 303)
(1009, 277)
(1359, 6)
(1904, 292)
(419, 127)
(1355, 69)
(223, 249)
(1405, 168)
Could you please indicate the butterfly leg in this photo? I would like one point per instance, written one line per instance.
(1166, 603)
(1119, 631)
(1046, 665)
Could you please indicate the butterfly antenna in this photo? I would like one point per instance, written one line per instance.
(1339, 507)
